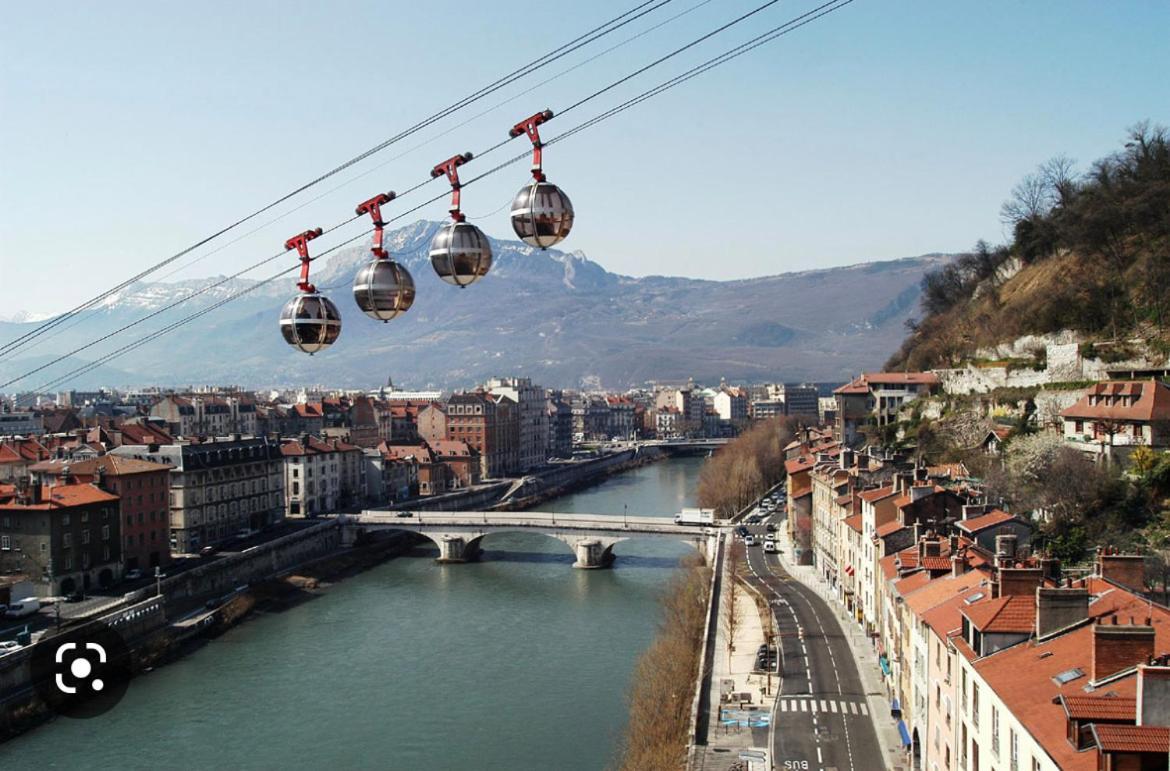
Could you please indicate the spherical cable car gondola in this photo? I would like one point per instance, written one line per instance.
(542, 215)
(309, 322)
(382, 288)
(460, 253)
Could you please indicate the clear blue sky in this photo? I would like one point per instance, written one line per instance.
(888, 129)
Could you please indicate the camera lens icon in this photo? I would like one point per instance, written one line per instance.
(82, 672)
(80, 667)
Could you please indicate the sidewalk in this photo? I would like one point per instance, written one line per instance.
(737, 725)
(863, 653)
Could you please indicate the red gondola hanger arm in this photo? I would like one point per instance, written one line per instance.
(450, 167)
(529, 126)
(300, 242)
(373, 207)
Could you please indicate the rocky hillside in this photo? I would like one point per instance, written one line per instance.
(1090, 257)
(559, 317)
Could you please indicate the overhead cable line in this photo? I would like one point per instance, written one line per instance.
(565, 49)
(498, 145)
(736, 51)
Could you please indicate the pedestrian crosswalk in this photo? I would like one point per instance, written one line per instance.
(832, 706)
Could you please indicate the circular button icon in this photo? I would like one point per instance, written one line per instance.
(82, 672)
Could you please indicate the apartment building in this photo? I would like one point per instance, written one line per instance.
(218, 487)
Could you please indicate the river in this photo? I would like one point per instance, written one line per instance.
(515, 662)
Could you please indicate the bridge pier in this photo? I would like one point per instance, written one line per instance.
(454, 549)
(593, 554)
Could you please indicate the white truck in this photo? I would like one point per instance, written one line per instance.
(26, 607)
(695, 517)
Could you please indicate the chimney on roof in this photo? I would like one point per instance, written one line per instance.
(1005, 549)
(1016, 581)
(929, 546)
(846, 459)
(954, 538)
(1129, 570)
(958, 562)
(1050, 569)
(1153, 695)
(971, 510)
(918, 492)
(1059, 609)
(1118, 647)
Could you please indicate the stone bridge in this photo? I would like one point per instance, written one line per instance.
(591, 536)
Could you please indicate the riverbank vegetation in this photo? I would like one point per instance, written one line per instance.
(666, 675)
(747, 467)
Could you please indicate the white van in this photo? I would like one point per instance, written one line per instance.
(770, 547)
(26, 607)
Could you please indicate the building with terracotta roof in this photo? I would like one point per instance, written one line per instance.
(142, 488)
(983, 523)
(63, 537)
(486, 423)
(17, 456)
(321, 476)
(877, 398)
(1124, 413)
(1046, 703)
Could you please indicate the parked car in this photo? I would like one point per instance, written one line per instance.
(749, 540)
(133, 575)
(405, 514)
(207, 551)
(8, 646)
(76, 596)
(741, 531)
(26, 607)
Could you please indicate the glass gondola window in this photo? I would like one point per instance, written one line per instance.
(382, 288)
(309, 322)
(542, 215)
(460, 254)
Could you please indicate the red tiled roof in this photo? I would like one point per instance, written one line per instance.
(796, 465)
(1134, 400)
(873, 496)
(984, 521)
(911, 583)
(1012, 614)
(892, 526)
(1022, 675)
(862, 384)
(853, 521)
(63, 497)
(1099, 707)
(947, 617)
(22, 451)
(935, 562)
(111, 465)
(1133, 738)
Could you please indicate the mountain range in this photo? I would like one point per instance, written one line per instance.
(555, 316)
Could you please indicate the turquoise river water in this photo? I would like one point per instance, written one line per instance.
(515, 662)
